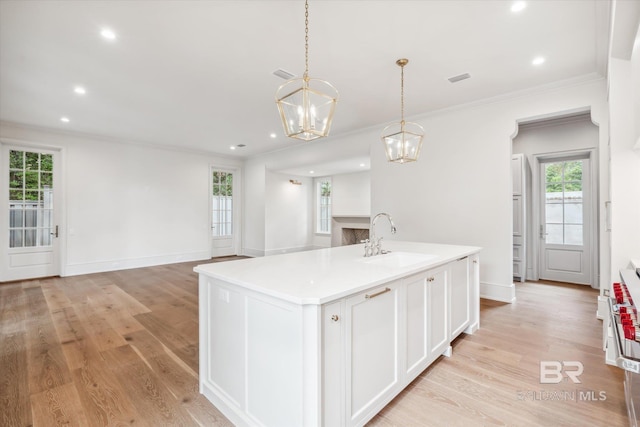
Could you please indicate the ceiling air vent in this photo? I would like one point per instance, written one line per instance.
(456, 79)
(283, 74)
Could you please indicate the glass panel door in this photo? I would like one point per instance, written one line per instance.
(29, 246)
(565, 239)
(222, 213)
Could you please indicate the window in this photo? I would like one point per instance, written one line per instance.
(563, 202)
(222, 188)
(323, 202)
(30, 199)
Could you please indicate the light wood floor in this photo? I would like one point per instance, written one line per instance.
(122, 348)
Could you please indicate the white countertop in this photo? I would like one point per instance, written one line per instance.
(323, 275)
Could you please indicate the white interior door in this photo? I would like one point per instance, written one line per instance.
(223, 212)
(565, 226)
(30, 242)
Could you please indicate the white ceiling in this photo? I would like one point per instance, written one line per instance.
(198, 74)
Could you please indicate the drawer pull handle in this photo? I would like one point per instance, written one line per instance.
(384, 291)
(335, 317)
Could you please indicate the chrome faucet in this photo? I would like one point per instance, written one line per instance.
(373, 246)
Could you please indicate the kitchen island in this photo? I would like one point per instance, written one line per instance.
(329, 337)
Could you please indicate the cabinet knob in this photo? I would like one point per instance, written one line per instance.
(335, 317)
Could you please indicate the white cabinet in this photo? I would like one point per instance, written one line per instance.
(520, 173)
(459, 297)
(417, 308)
(438, 328)
(266, 361)
(376, 342)
(333, 355)
(426, 331)
(371, 337)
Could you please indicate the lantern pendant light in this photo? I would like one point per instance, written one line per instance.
(402, 140)
(306, 105)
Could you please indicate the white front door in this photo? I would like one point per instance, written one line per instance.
(223, 213)
(30, 242)
(565, 226)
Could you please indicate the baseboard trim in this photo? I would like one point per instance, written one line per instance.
(126, 264)
(254, 253)
(288, 250)
(496, 292)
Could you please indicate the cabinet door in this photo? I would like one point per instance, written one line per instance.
(416, 302)
(516, 173)
(372, 327)
(332, 357)
(438, 329)
(459, 297)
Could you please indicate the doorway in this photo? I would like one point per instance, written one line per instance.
(30, 199)
(565, 220)
(562, 153)
(224, 212)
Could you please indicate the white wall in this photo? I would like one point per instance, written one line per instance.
(625, 167)
(256, 224)
(288, 213)
(459, 191)
(351, 194)
(624, 113)
(253, 215)
(127, 205)
(563, 135)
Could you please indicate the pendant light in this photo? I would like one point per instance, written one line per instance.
(402, 140)
(306, 105)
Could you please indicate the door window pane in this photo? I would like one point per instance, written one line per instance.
(554, 234)
(30, 199)
(15, 238)
(222, 209)
(573, 234)
(564, 209)
(573, 213)
(553, 213)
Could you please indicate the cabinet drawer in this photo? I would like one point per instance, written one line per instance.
(517, 253)
(517, 269)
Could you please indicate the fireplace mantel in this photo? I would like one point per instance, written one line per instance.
(340, 222)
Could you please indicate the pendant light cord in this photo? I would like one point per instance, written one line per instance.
(306, 40)
(402, 94)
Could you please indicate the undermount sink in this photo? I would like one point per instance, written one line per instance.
(397, 259)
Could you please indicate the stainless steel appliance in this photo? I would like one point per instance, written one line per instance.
(622, 337)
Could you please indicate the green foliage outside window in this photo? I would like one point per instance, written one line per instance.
(28, 173)
(325, 189)
(222, 184)
(568, 172)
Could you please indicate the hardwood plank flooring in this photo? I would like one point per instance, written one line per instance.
(121, 348)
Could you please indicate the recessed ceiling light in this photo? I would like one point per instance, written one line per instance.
(518, 6)
(273, 135)
(233, 147)
(539, 60)
(64, 119)
(79, 90)
(312, 172)
(108, 34)
(362, 165)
